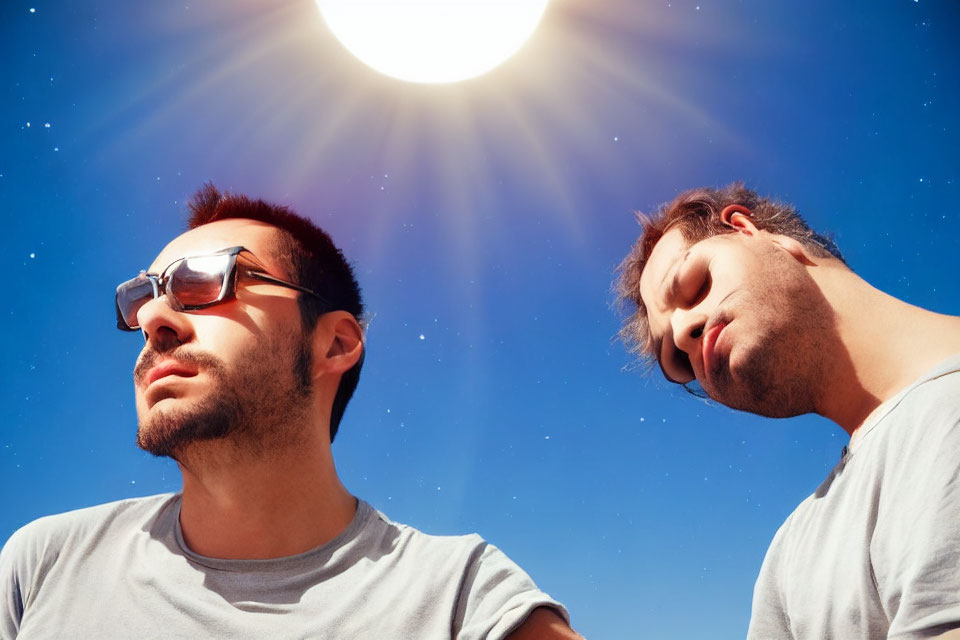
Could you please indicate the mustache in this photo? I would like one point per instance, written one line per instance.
(148, 358)
(723, 312)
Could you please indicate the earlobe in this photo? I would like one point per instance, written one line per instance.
(795, 249)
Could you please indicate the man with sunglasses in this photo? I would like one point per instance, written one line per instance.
(735, 293)
(254, 340)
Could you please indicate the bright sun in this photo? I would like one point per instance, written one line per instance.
(432, 40)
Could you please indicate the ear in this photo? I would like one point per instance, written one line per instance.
(737, 217)
(795, 249)
(337, 343)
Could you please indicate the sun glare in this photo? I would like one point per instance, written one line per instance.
(432, 41)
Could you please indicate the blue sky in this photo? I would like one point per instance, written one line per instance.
(485, 220)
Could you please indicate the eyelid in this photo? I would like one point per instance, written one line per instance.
(705, 281)
(698, 273)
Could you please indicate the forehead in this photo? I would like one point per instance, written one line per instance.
(665, 254)
(258, 237)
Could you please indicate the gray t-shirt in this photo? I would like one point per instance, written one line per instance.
(122, 570)
(875, 551)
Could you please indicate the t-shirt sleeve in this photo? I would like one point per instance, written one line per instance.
(916, 548)
(768, 617)
(497, 596)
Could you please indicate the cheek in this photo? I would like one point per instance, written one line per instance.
(650, 318)
(225, 342)
(218, 329)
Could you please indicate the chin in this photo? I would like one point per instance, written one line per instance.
(768, 397)
(172, 423)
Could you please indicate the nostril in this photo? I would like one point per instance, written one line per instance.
(696, 333)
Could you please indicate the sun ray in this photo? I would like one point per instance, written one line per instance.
(447, 142)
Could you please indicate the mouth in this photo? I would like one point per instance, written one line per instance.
(710, 362)
(166, 369)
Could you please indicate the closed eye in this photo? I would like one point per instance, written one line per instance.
(695, 285)
(703, 290)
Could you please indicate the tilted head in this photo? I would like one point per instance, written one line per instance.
(247, 296)
(720, 293)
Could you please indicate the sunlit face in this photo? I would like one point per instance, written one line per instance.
(235, 369)
(740, 315)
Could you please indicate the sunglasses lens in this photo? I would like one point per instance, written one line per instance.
(198, 281)
(131, 295)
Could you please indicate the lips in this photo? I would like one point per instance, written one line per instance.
(168, 368)
(708, 348)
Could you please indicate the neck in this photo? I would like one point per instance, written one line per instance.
(883, 345)
(262, 504)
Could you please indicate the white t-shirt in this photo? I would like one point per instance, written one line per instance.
(122, 570)
(875, 551)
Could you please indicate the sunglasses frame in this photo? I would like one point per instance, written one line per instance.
(228, 288)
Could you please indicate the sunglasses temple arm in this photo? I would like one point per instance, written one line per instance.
(283, 283)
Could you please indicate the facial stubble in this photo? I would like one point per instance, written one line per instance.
(783, 358)
(258, 404)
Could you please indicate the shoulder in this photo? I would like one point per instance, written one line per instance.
(65, 539)
(923, 423)
(932, 400)
(410, 541)
(773, 556)
(51, 532)
(494, 595)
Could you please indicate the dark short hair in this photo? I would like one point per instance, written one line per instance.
(696, 213)
(311, 259)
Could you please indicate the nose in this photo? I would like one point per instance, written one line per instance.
(162, 327)
(687, 326)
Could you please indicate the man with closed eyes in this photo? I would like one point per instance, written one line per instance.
(736, 293)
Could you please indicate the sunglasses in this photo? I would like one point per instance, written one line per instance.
(194, 282)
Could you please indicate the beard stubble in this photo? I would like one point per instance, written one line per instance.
(258, 404)
(780, 373)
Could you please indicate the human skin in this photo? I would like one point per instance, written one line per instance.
(780, 331)
(767, 326)
(270, 489)
(740, 314)
(241, 501)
